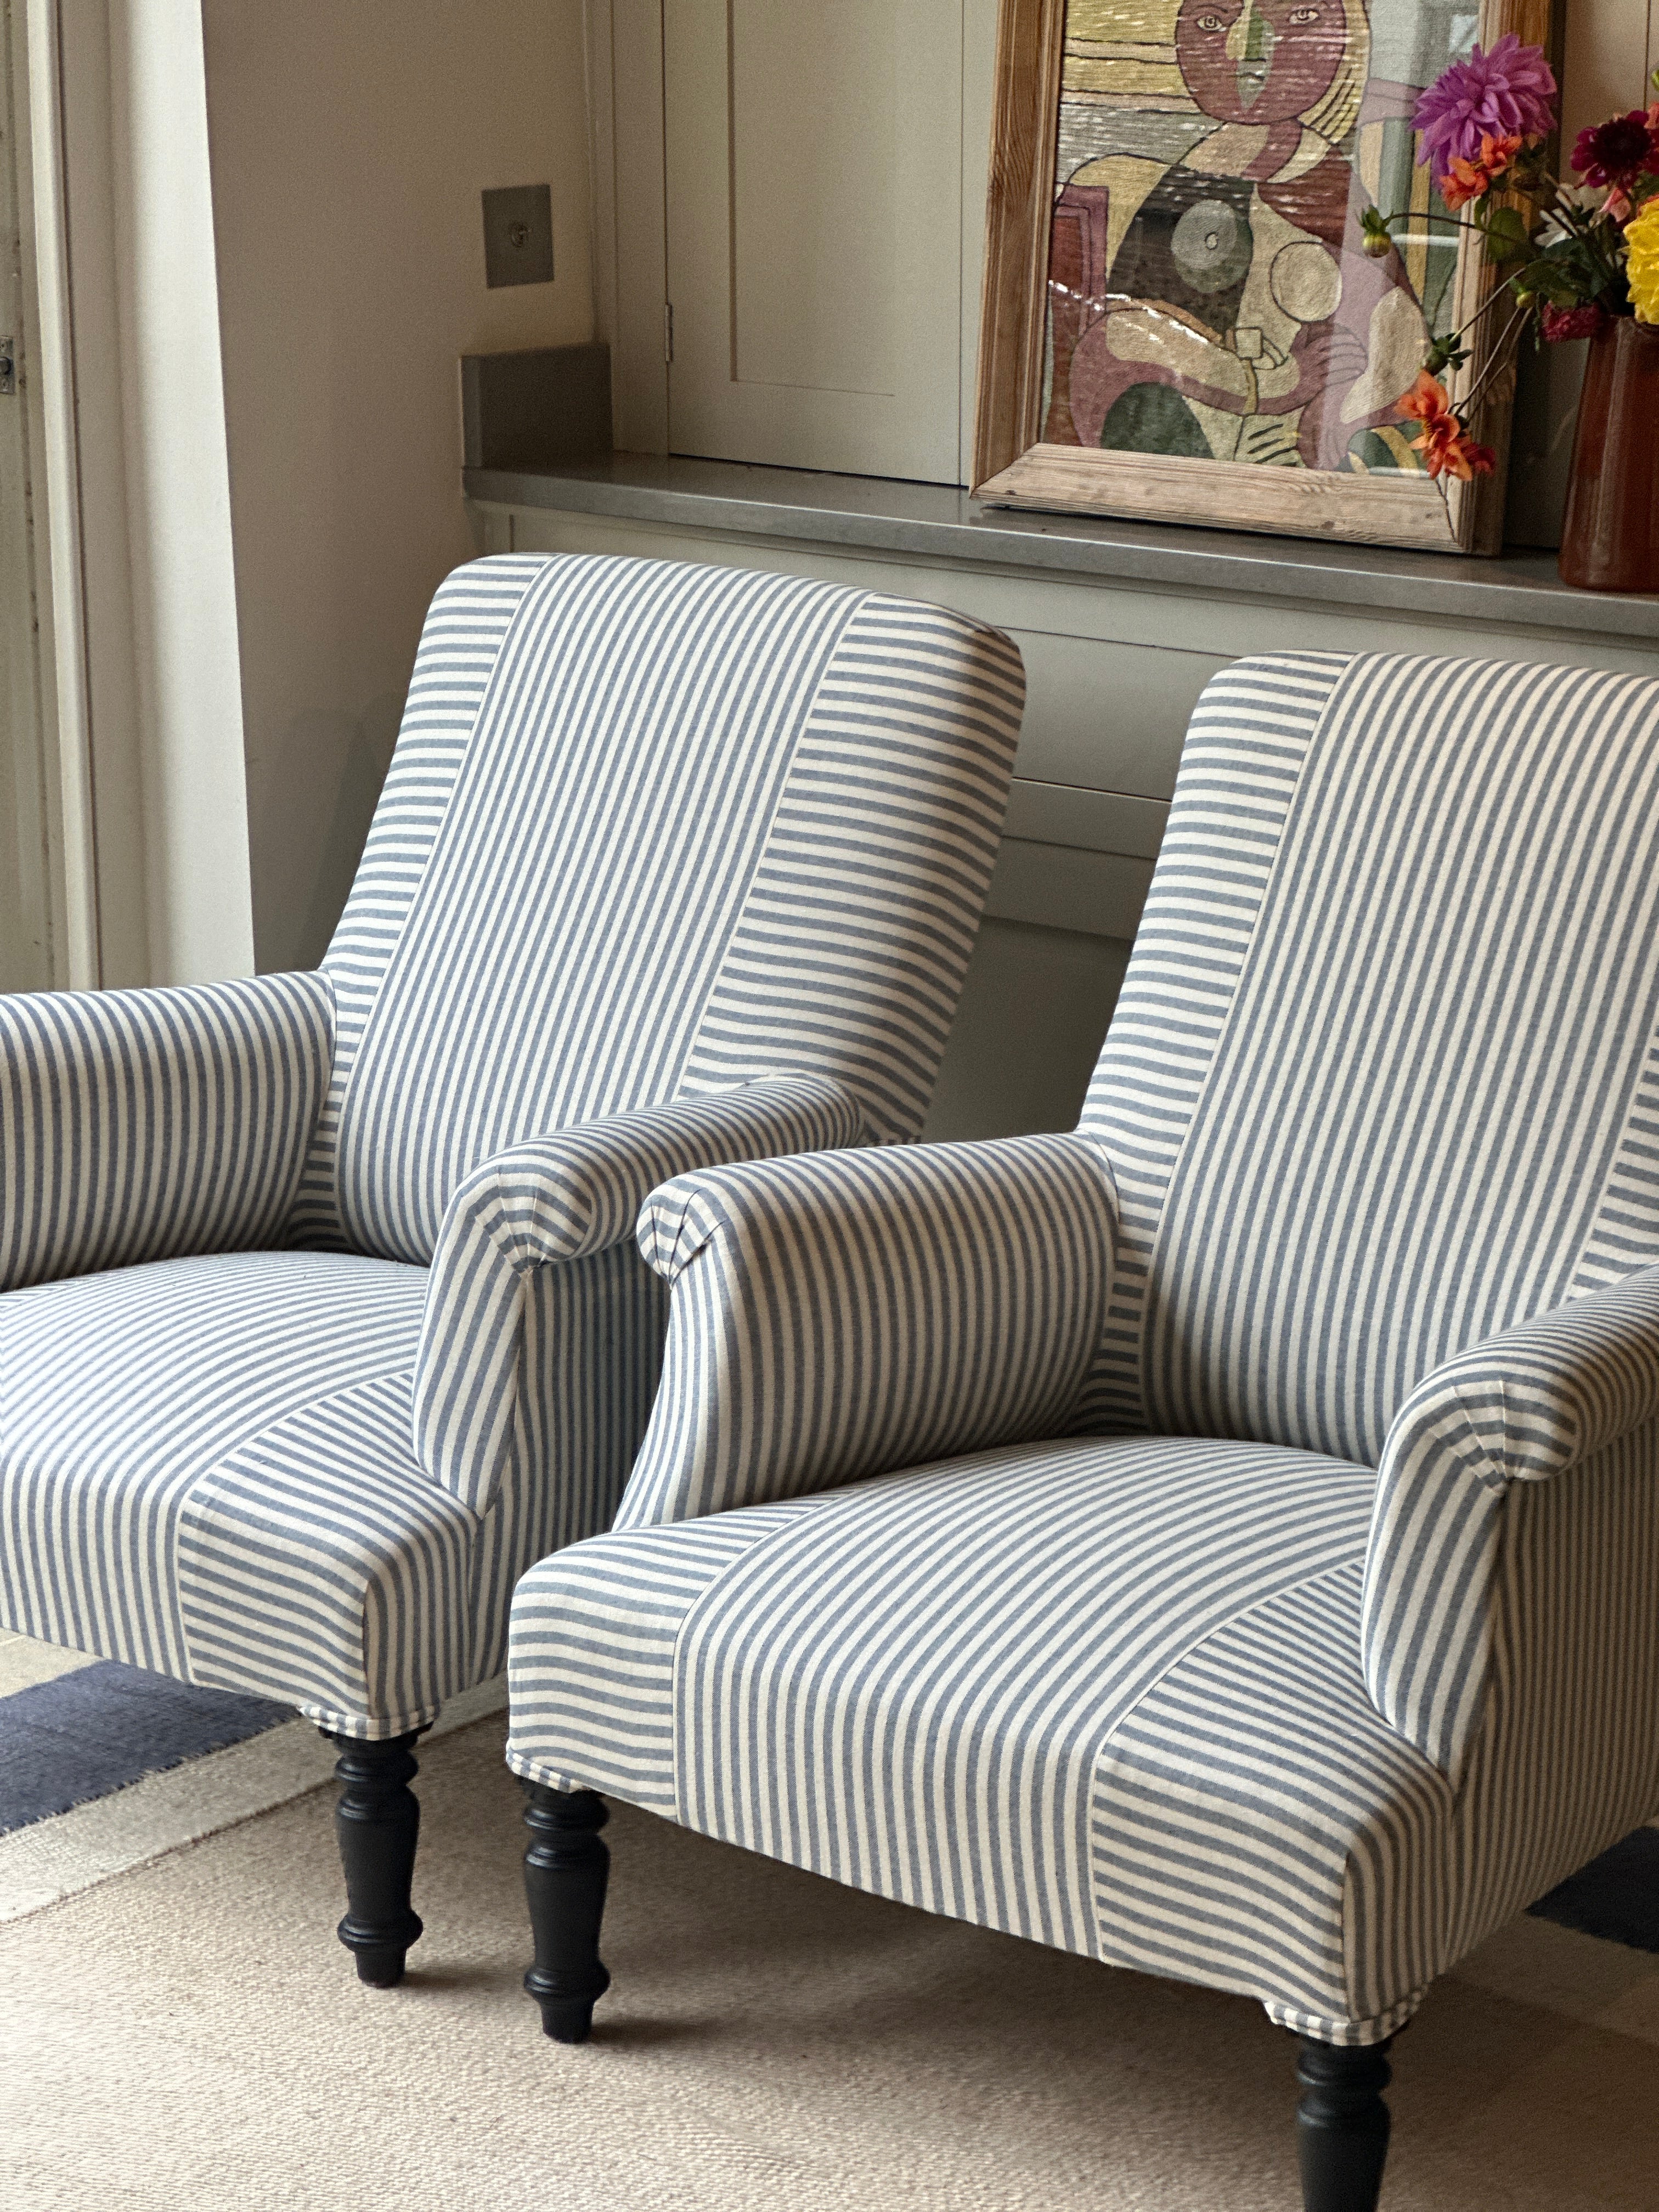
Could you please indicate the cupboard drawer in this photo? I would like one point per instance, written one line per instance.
(1098, 821)
(1106, 716)
(1062, 887)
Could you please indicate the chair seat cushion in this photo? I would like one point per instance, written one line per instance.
(972, 1688)
(206, 1468)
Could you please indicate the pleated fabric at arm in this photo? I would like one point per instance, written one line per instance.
(1576, 1389)
(139, 1125)
(841, 1315)
(547, 1200)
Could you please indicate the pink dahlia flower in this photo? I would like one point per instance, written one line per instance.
(1561, 324)
(1504, 94)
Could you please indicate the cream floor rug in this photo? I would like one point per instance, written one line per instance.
(187, 2035)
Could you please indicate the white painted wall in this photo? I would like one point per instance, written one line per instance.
(350, 143)
(136, 360)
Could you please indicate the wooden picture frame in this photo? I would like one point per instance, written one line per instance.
(1014, 466)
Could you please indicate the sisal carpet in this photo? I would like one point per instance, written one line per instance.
(187, 2036)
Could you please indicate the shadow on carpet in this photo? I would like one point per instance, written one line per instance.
(1615, 1897)
(86, 1734)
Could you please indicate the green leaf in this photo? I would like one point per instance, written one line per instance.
(1443, 354)
(1507, 235)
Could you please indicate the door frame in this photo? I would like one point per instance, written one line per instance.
(50, 632)
(627, 117)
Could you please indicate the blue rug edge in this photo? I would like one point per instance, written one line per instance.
(83, 1736)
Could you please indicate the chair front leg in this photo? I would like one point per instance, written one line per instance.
(1342, 2125)
(566, 1869)
(378, 1821)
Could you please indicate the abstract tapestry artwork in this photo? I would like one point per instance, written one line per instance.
(1184, 317)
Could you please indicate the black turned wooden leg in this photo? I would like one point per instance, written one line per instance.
(378, 1821)
(1342, 2125)
(565, 1871)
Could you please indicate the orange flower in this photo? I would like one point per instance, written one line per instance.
(1446, 446)
(1472, 180)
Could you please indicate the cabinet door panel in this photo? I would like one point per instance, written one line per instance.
(814, 190)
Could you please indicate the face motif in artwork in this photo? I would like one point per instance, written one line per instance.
(1260, 61)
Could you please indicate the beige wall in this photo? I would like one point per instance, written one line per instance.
(1609, 46)
(350, 141)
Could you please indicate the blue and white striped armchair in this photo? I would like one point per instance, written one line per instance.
(322, 1317)
(1222, 1540)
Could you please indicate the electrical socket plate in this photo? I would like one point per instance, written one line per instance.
(517, 222)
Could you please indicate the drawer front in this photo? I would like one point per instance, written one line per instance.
(1060, 887)
(1098, 821)
(1107, 716)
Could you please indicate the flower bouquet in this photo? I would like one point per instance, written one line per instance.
(1576, 260)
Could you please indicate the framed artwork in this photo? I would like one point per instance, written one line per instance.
(1181, 318)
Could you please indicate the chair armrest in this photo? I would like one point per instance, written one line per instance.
(840, 1315)
(548, 1200)
(136, 1125)
(1524, 1407)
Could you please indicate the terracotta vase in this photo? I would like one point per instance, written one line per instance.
(1610, 540)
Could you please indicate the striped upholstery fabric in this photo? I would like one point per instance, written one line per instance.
(134, 1124)
(558, 1198)
(1441, 874)
(208, 1469)
(1578, 1387)
(1108, 1694)
(630, 871)
(125, 1390)
(673, 866)
(1322, 1632)
(838, 1315)
(917, 1685)
(461, 641)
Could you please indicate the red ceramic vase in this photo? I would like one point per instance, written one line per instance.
(1610, 540)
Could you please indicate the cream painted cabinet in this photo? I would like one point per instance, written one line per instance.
(814, 194)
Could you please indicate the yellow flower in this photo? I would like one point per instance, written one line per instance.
(1642, 237)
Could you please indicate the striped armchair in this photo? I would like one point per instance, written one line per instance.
(1222, 1540)
(321, 1317)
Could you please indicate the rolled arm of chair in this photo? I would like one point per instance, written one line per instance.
(138, 1125)
(1525, 1406)
(551, 1199)
(843, 1315)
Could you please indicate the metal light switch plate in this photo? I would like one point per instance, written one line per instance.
(518, 222)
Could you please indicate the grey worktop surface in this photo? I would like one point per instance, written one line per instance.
(876, 514)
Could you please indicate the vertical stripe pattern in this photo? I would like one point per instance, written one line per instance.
(1256, 1826)
(905, 1685)
(554, 1199)
(590, 866)
(841, 1313)
(672, 866)
(136, 1124)
(121, 1392)
(317, 1563)
(1521, 1408)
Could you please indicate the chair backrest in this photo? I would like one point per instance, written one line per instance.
(1383, 1078)
(652, 830)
